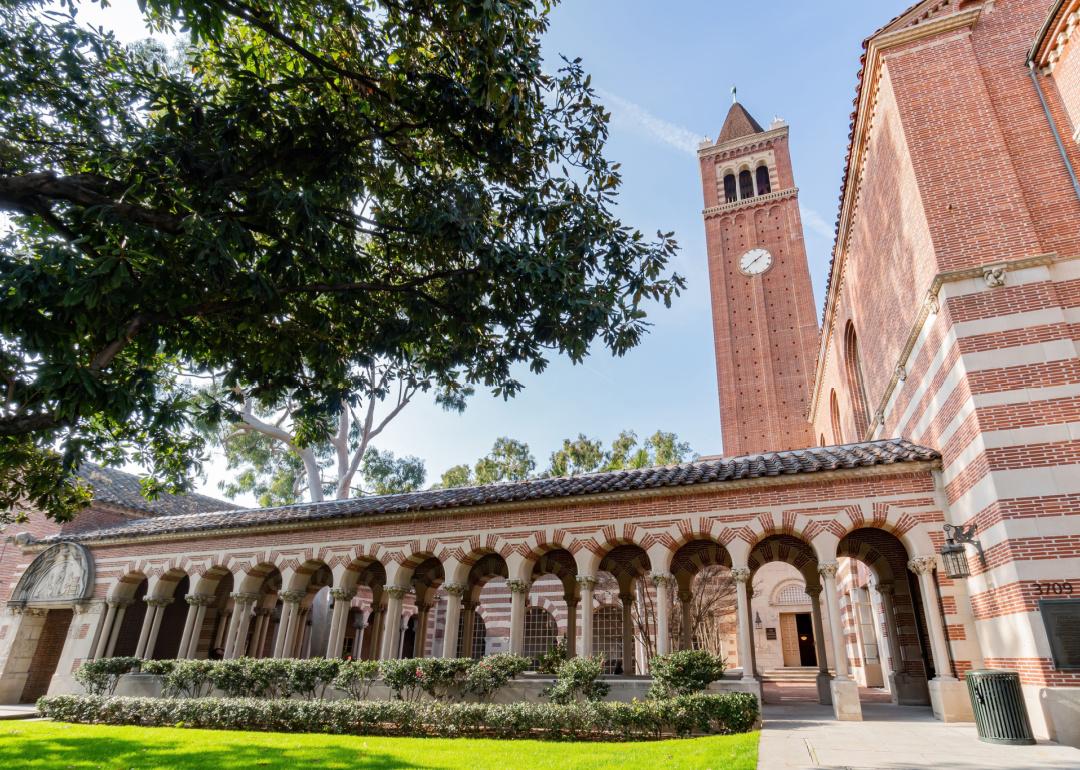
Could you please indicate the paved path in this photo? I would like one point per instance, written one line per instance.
(18, 711)
(805, 735)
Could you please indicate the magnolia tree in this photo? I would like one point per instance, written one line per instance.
(320, 185)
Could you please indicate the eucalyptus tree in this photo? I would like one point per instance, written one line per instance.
(322, 184)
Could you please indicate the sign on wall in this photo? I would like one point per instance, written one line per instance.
(1062, 620)
(62, 573)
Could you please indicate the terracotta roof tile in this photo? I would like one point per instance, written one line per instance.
(801, 461)
(116, 487)
(737, 124)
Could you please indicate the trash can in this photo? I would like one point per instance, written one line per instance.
(998, 703)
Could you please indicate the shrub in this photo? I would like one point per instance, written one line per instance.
(555, 656)
(488, 675)
(577, 679)
(685, 715)
(684, 672)
(99, 677)
(444, 678)
(186, 678)
(252, 677)
(356, 677)
(310, 677)
(404, 677)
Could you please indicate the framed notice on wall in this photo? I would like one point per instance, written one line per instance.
(1062, 620)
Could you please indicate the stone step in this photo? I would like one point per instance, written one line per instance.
(806, 674)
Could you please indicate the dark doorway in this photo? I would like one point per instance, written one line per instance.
(46, 655)
(408, 639)
(805, 628)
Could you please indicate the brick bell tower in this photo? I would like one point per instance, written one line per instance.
(764, 317)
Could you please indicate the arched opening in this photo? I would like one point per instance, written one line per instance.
(486, 587)
(256, 612)
(364, 581)
(408, 639)
(541, 633)
(856, 385)
(172, 587)
(731, 192)
(834, 415)
(427, 578)
(132, 591)
(554, 581)
(746, 184)
(763, 184)
(706, 619)
(478, 648)
(621, 583)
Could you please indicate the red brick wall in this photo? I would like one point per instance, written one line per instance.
(1066, 77)
(46, 654)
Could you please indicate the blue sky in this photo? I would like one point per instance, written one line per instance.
(665, 71)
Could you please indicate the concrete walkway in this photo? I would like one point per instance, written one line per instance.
(18, 711)
(805, 735)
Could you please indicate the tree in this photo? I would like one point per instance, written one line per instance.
(661, 448)
(322, 185)
(508, 460)
(582, 455)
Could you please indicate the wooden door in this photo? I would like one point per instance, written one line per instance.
(789, 639)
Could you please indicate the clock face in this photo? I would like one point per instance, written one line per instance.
(755, 261)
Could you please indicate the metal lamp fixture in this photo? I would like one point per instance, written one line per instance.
(953, 553)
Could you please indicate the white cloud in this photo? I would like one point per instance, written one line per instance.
(818, 224)
(639, 118)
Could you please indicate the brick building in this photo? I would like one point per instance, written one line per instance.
(942, 388)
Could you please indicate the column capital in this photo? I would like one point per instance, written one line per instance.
(158, 601)
(663, 579)
(341, 595)
(423, 609)
(827, 569)
(261, 611)
(626, 598)
(686, 596)
(813, 591)
(741, 574)
(517, 586)
(586, 581)
(922, 565)
(396, 592)
(455, 589)
(885, 589)
(571, 600)
(200, 600)
(244, 597)
(292, 597)
(118, 603)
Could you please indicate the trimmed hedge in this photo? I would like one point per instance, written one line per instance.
(641, 720)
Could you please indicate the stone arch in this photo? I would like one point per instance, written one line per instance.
(130, 592)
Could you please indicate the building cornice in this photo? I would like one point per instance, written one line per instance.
(1060, 25)
(749, 203)
(912, 467)
(876, 48)
(743, 142)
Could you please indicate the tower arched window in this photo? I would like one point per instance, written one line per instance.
(763, 184)
(746, 185)
(855, 383)
(834, 414)
(731, 191)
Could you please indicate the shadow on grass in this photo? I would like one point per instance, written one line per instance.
(18, 750)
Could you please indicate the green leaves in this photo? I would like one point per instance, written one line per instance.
(303, 188)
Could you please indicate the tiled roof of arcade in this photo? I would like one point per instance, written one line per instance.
(709, 471)
(121, 489)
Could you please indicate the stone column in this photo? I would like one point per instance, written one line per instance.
(663, 605)
(845, 692)
(284, 621)
(147, 623)
(288, 630)
(627, 600)
(948, 695)
(155, 627)
(519, 592)
(741, 576)
(571, 626)
(454, 592)
(225, 621)
(892, 633)
(392, 623)
(200, 621)
(586, 583)
(243, 603)
(686, 631)
(823, 677)
(118, 621)
(338, 618)
(192, 624)
(303, 634)
(258, 638)
(375, 626)
(106, 630)
(468, 629)
(423, 613)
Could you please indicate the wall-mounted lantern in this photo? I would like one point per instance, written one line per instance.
(953, 553)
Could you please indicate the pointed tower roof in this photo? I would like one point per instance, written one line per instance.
(737, 124)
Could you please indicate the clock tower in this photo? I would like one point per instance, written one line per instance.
(764, 317)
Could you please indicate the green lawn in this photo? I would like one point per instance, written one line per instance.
(63, 746)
